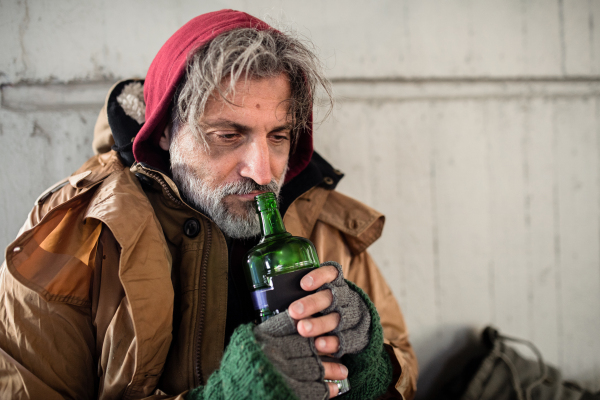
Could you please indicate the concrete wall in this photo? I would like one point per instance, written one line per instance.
(474, 125)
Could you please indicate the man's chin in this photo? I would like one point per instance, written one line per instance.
(239, 206)
(239, 222)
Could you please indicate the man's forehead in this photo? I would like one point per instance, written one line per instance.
(245, 84)
(266, 94)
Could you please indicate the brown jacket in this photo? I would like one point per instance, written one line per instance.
(87, 299)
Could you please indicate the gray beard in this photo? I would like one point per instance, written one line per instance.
(210, 201)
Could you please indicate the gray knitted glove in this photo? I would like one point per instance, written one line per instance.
(355, 319)
(294, 356)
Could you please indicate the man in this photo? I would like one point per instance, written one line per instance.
(126, 281)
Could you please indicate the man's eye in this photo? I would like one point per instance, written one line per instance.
(228, 136)
(280, 138)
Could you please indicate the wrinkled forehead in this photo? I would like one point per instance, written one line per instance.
(272, 94)
(246, 81)
(266, 99)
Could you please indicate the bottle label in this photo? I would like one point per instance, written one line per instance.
(284, 291)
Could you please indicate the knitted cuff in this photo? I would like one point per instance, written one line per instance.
(245, 373)
(370, 372)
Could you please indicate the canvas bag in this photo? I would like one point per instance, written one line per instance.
(505, 375)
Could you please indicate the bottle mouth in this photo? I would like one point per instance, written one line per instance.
(265, 201)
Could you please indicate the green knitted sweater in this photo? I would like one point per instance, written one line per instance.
(246, 373)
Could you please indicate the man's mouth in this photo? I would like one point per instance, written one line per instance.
(249, 196)
(246, 190)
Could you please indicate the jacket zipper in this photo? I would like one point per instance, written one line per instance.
(202, 305)
(203, 273)
(164, 186)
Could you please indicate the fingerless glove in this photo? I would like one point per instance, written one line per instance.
(294, 356)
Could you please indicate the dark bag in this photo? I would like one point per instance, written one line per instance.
(505, 375)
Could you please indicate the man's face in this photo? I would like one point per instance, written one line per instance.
(248, 149)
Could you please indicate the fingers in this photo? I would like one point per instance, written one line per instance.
(312, 327)
(333, 389)
(318, 277)
(311, 304)
(335, 371)
(327, 344)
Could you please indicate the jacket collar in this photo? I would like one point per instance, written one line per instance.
(318, 173)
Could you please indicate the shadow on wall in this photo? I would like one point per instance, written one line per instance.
(438, 367)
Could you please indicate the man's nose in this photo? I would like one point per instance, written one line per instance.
(257, 163)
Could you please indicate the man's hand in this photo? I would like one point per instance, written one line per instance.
(356, 318)
(286, 338)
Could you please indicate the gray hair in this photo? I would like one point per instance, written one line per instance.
(252, 54)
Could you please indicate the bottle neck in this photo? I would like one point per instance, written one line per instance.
(271, 222)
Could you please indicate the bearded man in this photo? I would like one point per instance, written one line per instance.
(126, 281)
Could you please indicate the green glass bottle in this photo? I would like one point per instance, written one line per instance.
(275, 266)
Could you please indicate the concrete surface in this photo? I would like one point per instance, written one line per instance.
(474, 125)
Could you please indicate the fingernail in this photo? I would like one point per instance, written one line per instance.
(307, 326)
(298, 307)
(344, 369)
(307, 281)
(321, 343)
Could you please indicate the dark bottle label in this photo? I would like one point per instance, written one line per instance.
(284, 290)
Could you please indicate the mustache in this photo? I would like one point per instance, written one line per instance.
(247, 186)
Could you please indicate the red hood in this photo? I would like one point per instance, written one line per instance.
(167, 69)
